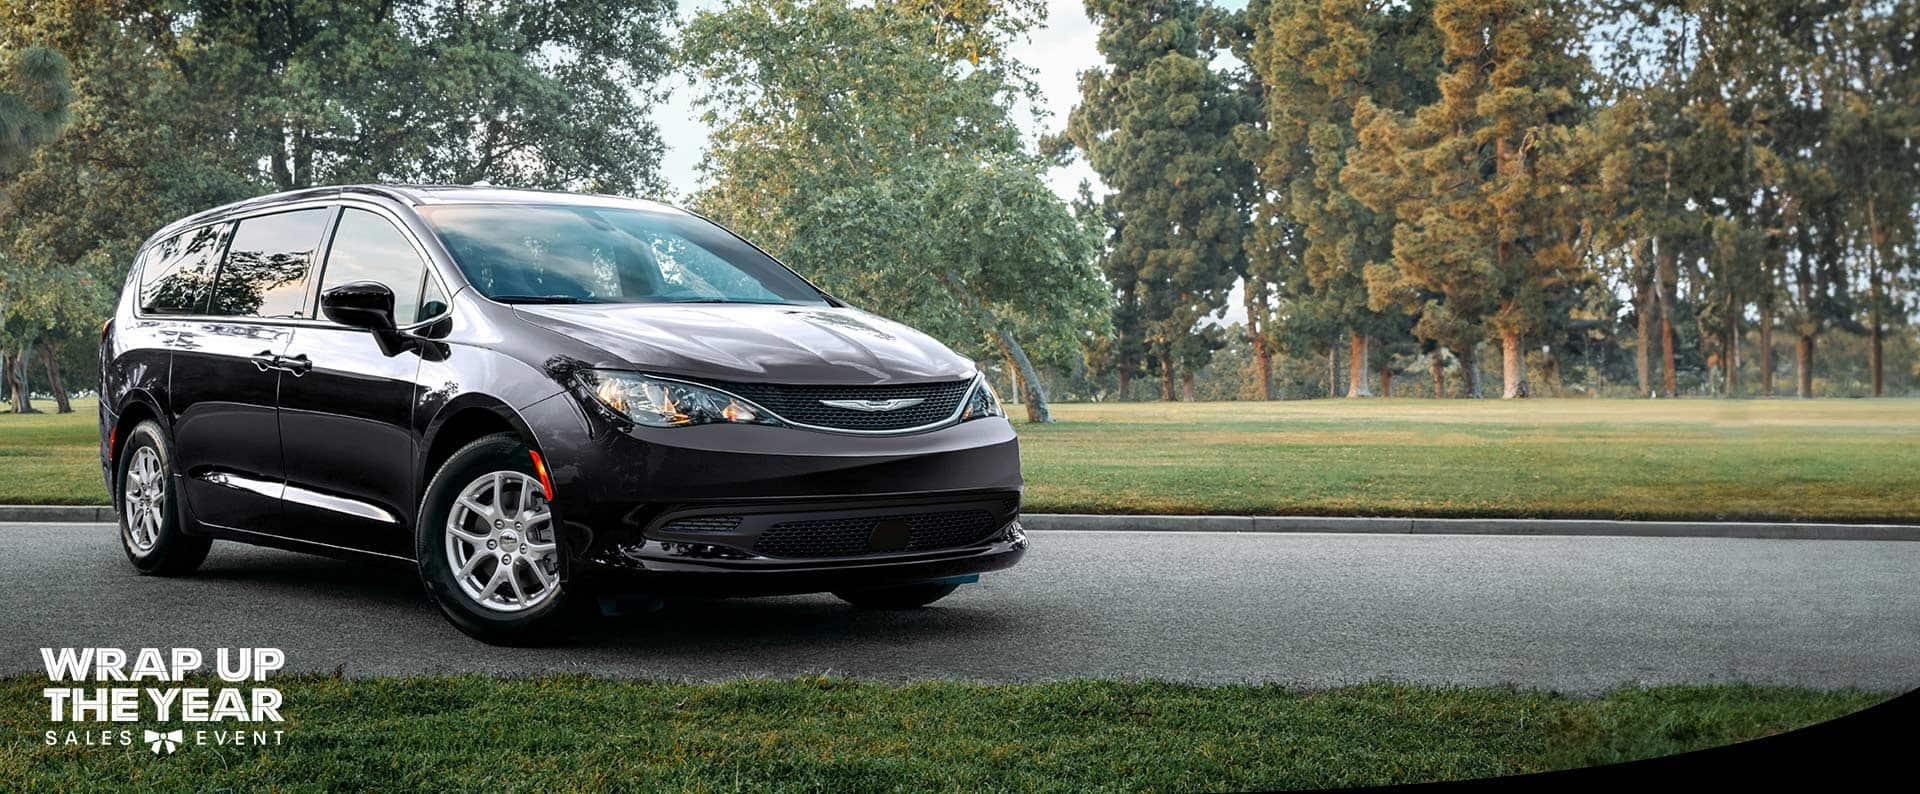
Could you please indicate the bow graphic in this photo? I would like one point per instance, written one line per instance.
(169, 739)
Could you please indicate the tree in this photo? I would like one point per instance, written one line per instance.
(1158, 124)
(519, 92)
(185, 104)
(1318, 61)
(867, 149)
(1873, 84)
(1479, 181)
(35, 93)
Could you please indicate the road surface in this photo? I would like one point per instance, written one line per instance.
(1574, 614)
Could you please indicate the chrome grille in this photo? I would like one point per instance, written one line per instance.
(802, 404)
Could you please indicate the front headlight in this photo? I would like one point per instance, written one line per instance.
(658, 402)
(981, 402)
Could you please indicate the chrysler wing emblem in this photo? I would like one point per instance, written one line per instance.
(875, 406)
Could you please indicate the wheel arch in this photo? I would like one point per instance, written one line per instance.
(138, 406)
(460, 422)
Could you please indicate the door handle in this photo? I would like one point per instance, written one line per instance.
(298, 365)
(264, 360)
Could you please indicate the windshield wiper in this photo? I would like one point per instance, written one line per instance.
(541, 299)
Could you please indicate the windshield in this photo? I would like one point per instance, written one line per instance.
(567, 254)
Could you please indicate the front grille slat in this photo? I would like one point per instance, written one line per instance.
(847, 537)
(801, 403)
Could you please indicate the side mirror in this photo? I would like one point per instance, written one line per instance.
(360, 304)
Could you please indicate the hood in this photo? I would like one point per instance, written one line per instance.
(756, 343)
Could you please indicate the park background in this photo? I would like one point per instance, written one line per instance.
(1210, 240)
(1126, 206)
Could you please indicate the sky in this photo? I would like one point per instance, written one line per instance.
(1058, 51)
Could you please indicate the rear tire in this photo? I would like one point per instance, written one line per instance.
(911, 596)
(488, 547)
(151, 530)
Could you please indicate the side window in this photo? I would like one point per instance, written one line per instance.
(179, 271)
(268, 265)
(433, 298)
(368, 248)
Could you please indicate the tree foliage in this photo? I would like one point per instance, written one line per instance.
(1158, 124)
(873, 148)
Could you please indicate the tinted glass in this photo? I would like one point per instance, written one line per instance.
(433, 299)
(268, 265)
(609, 255)
(368, 248)
(179, 271)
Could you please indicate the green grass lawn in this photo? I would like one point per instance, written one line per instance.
(574, 733)
(1847, 460)
(52, 459)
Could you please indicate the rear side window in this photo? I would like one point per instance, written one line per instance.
(269, 265)
(368, 248)
(179, 271)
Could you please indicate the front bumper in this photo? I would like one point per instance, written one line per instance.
(753, 510)
(661, 575)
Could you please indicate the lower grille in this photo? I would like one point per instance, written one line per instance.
(847, 537)
(705, 524)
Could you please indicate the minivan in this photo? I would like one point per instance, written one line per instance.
(543, 402)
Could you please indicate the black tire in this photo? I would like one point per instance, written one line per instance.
(172, 552)
(911, 596)
(549, 620)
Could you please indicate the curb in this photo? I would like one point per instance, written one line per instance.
(1047, 522)
(1469, 526)
(58, 513)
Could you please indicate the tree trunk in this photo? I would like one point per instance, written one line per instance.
(1034, 398)
(1014, 388)
(1439, 365)
(1732, 351)
(1186, 386)
(17, 378)
(1333, 372)
(1513, 370)
(1664, 289)
(1875, 239)
(1126, 381)
(1386, 382)
(1803, 363)
(1166, 377)
(1644, 304)
(1876, 341)
(1766, 348)
(1257, 336)
(1357, 366)
(1469, 359)
(54, 381)
(1031, 396)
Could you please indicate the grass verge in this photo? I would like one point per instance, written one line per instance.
(1836, 460)
(478, 733)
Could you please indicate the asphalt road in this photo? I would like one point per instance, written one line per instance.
(1575, 614)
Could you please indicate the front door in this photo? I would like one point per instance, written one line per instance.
(346, 404)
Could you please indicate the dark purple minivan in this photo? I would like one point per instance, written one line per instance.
(540, 400)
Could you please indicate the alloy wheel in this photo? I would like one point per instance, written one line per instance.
(145, 498)
(500, 543)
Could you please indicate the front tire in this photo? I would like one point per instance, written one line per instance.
(488, 546)
(151, 530)
(911, 596)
